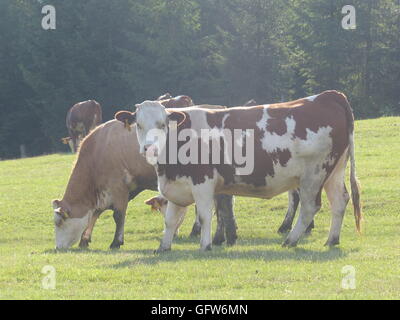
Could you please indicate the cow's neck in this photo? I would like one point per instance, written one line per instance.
(80, 189)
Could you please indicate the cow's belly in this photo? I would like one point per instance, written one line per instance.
(178, 191)
(270, 190)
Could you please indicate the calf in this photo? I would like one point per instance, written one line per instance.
(303, 144)
(82, 118)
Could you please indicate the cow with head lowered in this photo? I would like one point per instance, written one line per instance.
(303, 144)
(82, 118)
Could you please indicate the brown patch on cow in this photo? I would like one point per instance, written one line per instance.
(214, 119)
(281, 156)
(197, 172)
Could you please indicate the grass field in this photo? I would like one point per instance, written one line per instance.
(256, 268)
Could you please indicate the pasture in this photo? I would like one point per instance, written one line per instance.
(257, 267)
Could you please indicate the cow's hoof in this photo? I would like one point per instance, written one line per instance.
(310, 228)
(115, 246)
(284, 229)
(208, 248)
(218, 240)
(231, 241)
(162, 250)
(332, 242)
(195, 232)
(289, 243)
(84, 244)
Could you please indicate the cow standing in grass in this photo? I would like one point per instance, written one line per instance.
(82, 118)
(303, 144)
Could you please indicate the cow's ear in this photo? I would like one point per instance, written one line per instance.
(178, 117)
(152, 203)
(126, 117)
(58, 209)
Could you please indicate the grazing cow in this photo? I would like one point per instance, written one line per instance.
(82, 118)
(109, 172)
(303, 144)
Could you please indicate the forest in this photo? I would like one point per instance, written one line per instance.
(122, 52)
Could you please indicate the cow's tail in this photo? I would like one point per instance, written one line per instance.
(355, 185)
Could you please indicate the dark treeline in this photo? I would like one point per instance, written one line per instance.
(122, 52)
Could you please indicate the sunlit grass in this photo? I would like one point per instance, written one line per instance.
(256, 268)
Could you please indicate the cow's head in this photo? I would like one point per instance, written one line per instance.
(68, 228)
(152, 125)
(158, 203)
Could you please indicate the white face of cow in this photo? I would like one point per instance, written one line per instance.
(151, 125)
(68, 230)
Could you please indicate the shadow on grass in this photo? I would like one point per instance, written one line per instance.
(296, 254)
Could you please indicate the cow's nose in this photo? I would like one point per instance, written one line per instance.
(147, 147)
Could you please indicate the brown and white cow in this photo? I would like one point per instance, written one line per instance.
(303, 144)
(109, 172)
(82, 118)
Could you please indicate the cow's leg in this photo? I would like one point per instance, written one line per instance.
(219, 237)
(121, 199)
(71, 145)
(196, 227)
(204, 198)
(294, 200)
(119, 218)
(180, 222)
(87, 234)
(310, 201)
(338, 198)
(227, 226)
(173, 217)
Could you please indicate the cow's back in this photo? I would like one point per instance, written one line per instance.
(116, 163)
(87, 113)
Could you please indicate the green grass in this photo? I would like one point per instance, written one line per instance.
(256, 268)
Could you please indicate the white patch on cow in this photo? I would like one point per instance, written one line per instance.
(178, 191)
(316, 142)
(312, 98)
(262, 124)
(70, 231)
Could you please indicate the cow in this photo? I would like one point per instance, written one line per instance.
(108, 173)
(303, 144)
(82, 118)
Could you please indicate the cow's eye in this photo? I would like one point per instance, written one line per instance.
(162, 126)
(139, 126)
